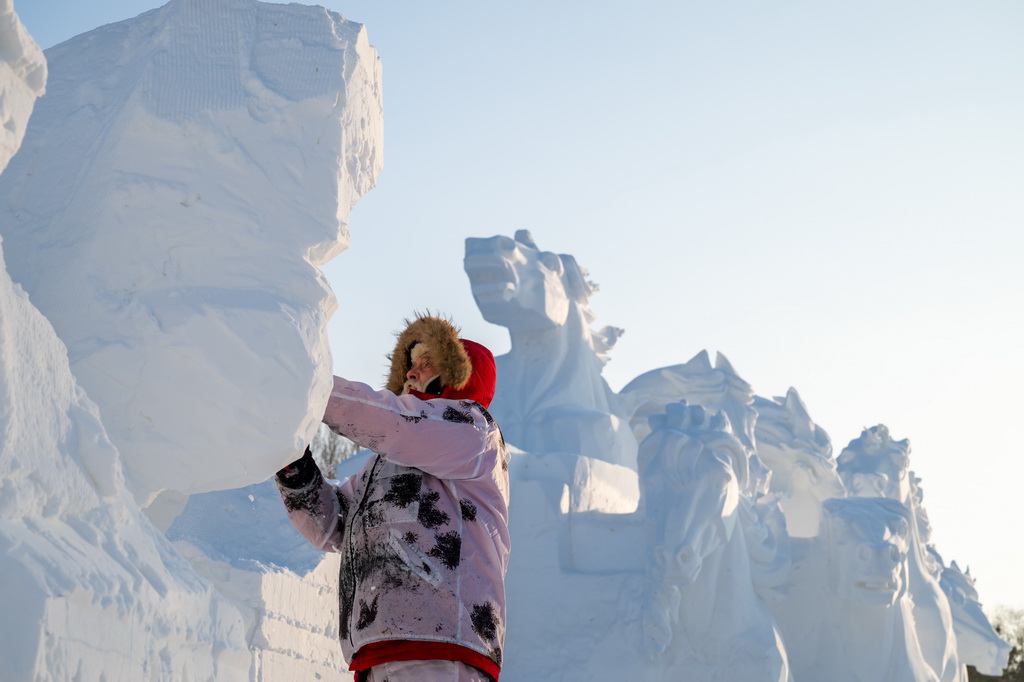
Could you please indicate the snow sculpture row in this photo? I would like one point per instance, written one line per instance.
(753, 555)
(682, 528)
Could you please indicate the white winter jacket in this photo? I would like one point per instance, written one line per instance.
(422, 530)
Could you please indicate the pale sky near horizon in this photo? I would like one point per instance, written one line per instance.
(828, 194)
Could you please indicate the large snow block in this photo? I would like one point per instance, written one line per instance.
(179, 183)
(291, 618)
(90, 587)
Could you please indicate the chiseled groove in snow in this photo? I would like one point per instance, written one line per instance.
(214, 77)
(293, 55)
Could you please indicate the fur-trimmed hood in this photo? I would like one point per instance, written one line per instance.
(465, 367)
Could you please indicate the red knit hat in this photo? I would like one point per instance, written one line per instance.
(480, 387)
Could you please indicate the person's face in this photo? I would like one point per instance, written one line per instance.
(421, 373)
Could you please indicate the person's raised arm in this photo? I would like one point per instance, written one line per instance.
(316, 508)
(442, 437)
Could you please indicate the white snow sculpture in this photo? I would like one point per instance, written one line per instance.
(733, 488)
(286, 589)
(799, 454)
(877, 465)
(977, 642)
(550, 395)
(721, 388)
(701, 610)
(553, 403)
(698, 383)
(22, 80)
(86, 579)
(181, 181)
(551, 399)
(848, 614)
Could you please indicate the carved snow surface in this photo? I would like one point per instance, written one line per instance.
(848, 617)
(751, 554)
(551, 396)
(799, 454)
(702, 612)
(977, 642)
(22, 80)
(877, 465)
(179, 183)
(84, 573)
(86, 579)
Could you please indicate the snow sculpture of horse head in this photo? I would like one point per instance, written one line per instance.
(697, 382)
(868, 544)
(551, 397)
(702, 613)
(799, 453)
(848, 615)
(720, 388)
(977, 642)
(876, 465)
(692, 469)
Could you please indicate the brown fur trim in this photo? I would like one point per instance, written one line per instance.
(442, 338)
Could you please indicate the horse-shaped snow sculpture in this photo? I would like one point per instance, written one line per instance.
(551, 377)
(848, 616)
(799, 454)
(697, 382)
(977, 642)
(551, 399)
(720, 388)
(702, 613)
(877, 465)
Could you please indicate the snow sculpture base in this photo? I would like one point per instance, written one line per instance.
(291, 619)
(84, 573)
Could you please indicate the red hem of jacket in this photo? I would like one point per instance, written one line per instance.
(376, 653)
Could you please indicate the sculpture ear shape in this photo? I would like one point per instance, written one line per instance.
(552, 262)
(575, 278)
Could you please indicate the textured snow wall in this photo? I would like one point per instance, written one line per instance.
(87, 580)
(90, 589)
(287, 589)
(180, 181)
(22, 80)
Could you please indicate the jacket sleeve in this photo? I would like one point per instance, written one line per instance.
(445, 438)
(317, 509)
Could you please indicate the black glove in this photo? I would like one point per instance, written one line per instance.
(300, 472)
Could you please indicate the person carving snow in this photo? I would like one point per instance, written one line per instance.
(423, 529)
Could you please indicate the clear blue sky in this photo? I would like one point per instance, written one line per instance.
(828, 193)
